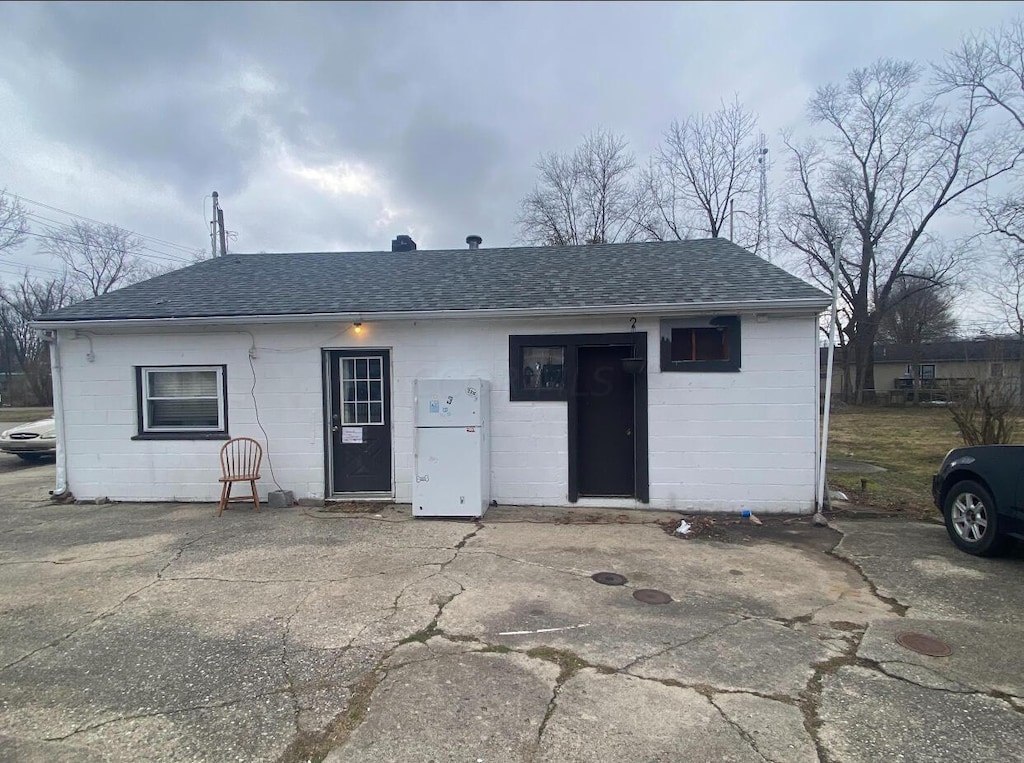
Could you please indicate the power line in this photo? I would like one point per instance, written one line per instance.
(190, 250)
(13, 268)
(187, 249)
(40, 218)
(153, 256)
(155, 252)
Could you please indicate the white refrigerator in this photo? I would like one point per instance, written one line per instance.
(451, 450)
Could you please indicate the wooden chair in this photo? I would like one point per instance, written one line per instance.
(239, 462)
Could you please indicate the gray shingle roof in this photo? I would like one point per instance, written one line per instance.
(680, 273)
(956, 351)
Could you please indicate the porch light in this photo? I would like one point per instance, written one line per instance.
(357, 326)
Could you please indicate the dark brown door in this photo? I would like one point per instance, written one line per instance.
(605, 421)
(360, 425)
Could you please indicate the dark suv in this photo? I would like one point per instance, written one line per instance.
(980, 492)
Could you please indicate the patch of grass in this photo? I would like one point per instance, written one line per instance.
(25, 415)
(313, 747)
(498, 648)
(909, 442)
(422, 636)
(569, 663)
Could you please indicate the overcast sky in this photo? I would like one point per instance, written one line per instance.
(337, 126)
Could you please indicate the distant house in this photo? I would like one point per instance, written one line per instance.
(673, 375)
(939, 367)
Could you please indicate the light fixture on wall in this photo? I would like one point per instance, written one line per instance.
(357, 326)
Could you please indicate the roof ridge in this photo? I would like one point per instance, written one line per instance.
(681, 273)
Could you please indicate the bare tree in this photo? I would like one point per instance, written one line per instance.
(587, 197)
(20, 304)
(1006, 288)
(989, 67)
(707, 163)
(98, 257)
(13, 222)
(891, 160)
(917, 314)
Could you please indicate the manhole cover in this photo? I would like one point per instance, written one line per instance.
(918, 642)
(608, 578)
(650, 596)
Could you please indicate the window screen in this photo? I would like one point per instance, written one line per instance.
(182, 399)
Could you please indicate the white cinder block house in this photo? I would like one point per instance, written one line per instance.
(676, 375)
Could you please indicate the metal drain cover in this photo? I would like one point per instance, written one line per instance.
(608, 578)
(650, 596)
(922, 644)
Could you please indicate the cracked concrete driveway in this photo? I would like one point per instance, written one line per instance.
(161, 632)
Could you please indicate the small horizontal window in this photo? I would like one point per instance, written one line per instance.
(182, 400)
(700, 344)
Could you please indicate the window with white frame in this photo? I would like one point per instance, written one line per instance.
(363, 384)
(182, 401)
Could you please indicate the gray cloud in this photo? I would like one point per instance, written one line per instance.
(444, 107)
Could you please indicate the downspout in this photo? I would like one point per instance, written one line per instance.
(61, 486)
(823, 450)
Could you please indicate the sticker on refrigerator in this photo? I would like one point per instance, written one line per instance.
(352, 435)
(435, 406)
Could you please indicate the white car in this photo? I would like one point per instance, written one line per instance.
(30, 441)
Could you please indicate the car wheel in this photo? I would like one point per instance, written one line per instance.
(972, 520)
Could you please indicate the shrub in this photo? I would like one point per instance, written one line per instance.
(987, 413)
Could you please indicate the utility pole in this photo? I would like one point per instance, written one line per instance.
(223, 233)
(213, 223)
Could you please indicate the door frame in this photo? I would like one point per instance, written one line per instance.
(637, 341)
(326, 355)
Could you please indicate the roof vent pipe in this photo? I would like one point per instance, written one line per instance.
(474, 241)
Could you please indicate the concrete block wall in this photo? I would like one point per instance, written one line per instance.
(718, 441)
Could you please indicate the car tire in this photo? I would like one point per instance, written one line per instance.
(972, 519)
